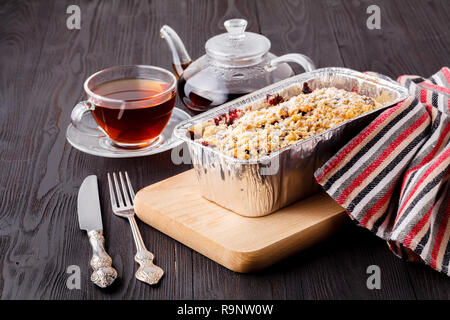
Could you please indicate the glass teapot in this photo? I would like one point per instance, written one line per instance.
(235, 63)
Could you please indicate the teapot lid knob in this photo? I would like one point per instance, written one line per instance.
(236, 28)
(237, 47)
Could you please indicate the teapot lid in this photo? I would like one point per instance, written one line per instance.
(237, 45)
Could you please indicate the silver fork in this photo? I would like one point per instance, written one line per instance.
(147, 272)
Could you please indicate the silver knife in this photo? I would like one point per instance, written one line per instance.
(90, 219)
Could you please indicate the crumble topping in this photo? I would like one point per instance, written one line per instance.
(259, 131)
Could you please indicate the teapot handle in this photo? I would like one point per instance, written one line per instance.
(298, 58)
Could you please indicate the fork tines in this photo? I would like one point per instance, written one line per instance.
(125, 195)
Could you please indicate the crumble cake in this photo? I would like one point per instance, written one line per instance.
(258, 131)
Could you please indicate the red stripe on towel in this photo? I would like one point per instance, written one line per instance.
(419, 225)
(446, 73)
(439, 160)
(358, 140)
(435, 87)
(377, 206)
(439, 237)
(429, 156)
(382, 157)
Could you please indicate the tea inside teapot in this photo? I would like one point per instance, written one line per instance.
(213, 85)
(200, 100)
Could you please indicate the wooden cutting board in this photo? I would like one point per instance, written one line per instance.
(176, 208)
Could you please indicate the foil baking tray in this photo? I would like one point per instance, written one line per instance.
(257, 187)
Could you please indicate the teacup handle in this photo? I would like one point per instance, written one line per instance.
(79, 115)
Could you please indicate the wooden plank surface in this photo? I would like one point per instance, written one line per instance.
(42, 68)
(176, 207)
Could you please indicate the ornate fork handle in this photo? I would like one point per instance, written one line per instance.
(148, 272)
(104, 274)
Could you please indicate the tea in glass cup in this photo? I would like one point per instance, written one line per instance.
(131, 104)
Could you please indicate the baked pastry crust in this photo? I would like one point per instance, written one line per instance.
(260, 130)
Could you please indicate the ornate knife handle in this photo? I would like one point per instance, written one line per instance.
(104, 274)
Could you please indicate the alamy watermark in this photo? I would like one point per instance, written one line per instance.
(73, 21)
(374, 280)
(374, 20)
(74, 279)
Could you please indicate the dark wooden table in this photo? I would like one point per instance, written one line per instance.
(42, 69)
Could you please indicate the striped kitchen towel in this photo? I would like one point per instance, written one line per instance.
(393, 178)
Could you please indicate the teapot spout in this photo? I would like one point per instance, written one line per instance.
(181, 59)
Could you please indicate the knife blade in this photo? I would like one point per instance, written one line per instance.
(90, 219)
(89, 212)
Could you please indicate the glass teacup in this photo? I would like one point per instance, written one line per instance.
(130, 104)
